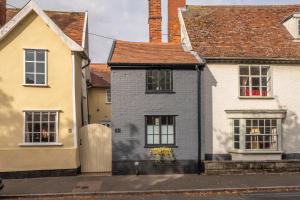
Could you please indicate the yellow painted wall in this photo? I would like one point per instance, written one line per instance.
(97, 100)
(33, 32)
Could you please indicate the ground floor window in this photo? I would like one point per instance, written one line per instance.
(41, 127)
(256, 134)
(160, 130)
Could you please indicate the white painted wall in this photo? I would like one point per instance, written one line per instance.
(220, 92)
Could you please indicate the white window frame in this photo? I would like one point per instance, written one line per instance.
(56, 143)
(107, 99)
(243, 135)
(24, 67)
(270, 75)
(244, 115)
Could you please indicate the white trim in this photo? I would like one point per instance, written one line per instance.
(32, 6)
(256, 114)
(84, 30)
(74, 101)
(185, 39)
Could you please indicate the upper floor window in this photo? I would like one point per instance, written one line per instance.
(159, 81)
(108, 96)
(255, 81)
(41, 127)
(35, 67)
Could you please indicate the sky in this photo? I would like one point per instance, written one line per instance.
(123, 19)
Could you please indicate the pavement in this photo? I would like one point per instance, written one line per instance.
(151, 184)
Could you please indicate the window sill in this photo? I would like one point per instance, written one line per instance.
(41, 145)
(36, 85)
(160, 146)
(107, 102)
(255, 152)
(258, 97)
(158, 92)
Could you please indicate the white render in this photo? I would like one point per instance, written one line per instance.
(220, 93)
(292, 26)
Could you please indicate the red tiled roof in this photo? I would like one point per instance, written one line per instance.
(71, 23)
(139, 53)
(241, 31)
(100, 75)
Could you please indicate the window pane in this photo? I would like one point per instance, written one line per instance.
(244, 81)
(29, 78)
(162, 80)
(149, 120)
(164, 139)
(245, 91)
(150, 139)
(265, 70)
(255, 91)
(45, 117)
(36, 127)
(171, 130)
(52, 127)
(164, 129)
(52, 137)
(168, 80)
(36, 137)
(44, 127)
(244, 70)
(28, 137)
(29, 67)
(37, 117)
(40, 67)
(255, 70)
(156, 130)
(40, 55)
(29, 55)
(45, 136)
(236, 122)
(28, 116)
(255, 82)
(164, 120)
(40, 79)
(264, 91)
(150, 130)
(52, 117)
(171, 139)
(156, 139)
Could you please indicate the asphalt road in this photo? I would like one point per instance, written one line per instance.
(256, 196)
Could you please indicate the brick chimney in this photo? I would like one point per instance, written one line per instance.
(174, 33)
(2, 12)
(155, 21)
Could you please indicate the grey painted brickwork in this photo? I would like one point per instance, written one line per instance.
(130, 104)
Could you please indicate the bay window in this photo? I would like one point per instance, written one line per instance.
(160, 130)
(255, 81)
(256, 134)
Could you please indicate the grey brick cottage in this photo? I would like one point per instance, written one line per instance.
(155, 95)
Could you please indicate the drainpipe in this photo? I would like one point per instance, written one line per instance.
(199, 118)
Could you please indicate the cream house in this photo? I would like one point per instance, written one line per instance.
(99, 93)
(42, 83)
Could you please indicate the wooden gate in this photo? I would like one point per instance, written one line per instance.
(95, 149)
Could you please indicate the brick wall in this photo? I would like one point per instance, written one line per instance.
(155, 21)
(174, 26)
